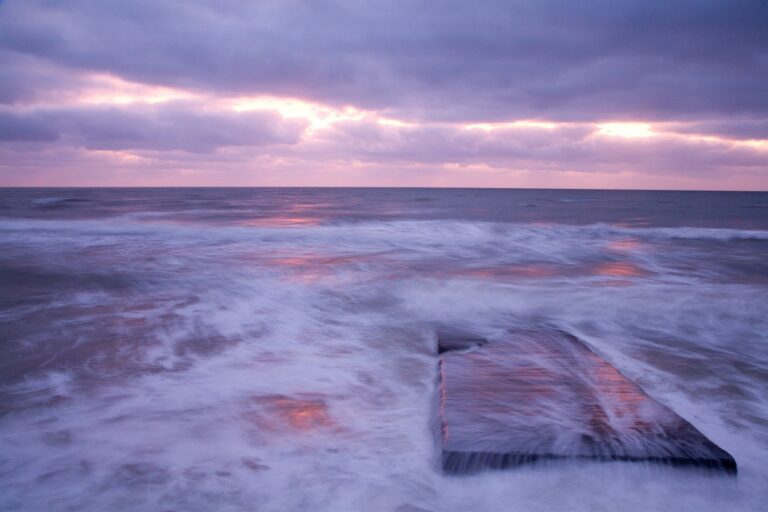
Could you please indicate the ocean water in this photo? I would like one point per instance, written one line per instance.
(274, 349)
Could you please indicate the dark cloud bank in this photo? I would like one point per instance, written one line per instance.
(176, 126)
(447, 59)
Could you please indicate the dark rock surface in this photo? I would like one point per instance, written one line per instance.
(541, 395)
(455, 340)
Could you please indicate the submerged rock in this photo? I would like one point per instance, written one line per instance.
(538, 395)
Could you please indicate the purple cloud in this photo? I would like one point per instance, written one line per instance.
(564, 147)
(169, 127)
(696, 69)
(431, 60)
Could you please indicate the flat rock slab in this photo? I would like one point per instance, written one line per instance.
(538, 395)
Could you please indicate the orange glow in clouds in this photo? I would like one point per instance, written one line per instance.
(524, 123)
(318, 115)
(629, 130)
(99, 90)
(105, 89)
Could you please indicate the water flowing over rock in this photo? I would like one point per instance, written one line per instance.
(540, 395)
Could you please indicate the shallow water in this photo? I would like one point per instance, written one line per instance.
(274, 349)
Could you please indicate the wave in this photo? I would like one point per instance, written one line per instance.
(141, 222)
(204, 366)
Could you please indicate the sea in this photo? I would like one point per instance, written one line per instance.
(233, 349)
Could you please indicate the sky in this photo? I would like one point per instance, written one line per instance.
(669, 94)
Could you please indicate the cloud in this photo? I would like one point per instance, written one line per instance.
(564, 147)
(743, 129)
(173, 126)
(19, 128)
(26, 78)
(447, 60)
(298, 88)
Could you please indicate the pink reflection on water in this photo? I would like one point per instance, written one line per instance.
(624, 245)
(297, 414)
(620, 269)
(506, 271)
(626, 399)
(281, 220)
(304, 269)
(292, 214)
(311, 267)
(303, 414)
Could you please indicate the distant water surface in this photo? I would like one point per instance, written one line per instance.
(274, 349)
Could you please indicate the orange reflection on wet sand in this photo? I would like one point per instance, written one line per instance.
(620, 269)
(303, 414)
(278, 412)
(294, 261)
(624, 245)
(315, 266)
(301, 268)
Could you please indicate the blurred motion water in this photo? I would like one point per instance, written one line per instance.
(274, 349)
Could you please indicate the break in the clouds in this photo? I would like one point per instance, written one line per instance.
(505, 93)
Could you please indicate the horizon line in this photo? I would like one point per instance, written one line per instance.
(394, 187)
